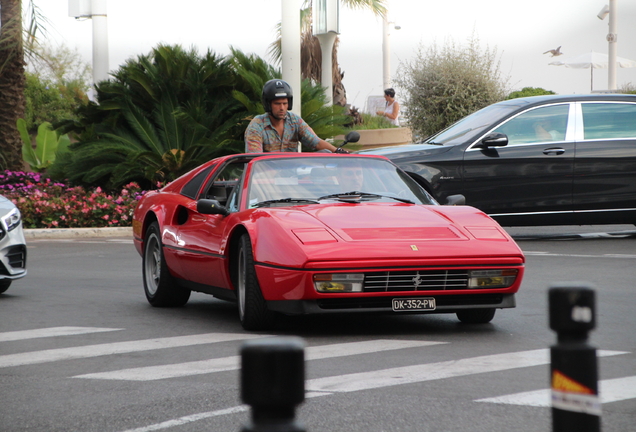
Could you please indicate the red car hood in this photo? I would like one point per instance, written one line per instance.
(382, 230)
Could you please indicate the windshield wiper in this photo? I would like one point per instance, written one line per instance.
(357, 196)
(285, 200)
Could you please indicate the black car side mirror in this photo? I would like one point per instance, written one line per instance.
(454, 200)
(494, 139)
(353, 137)
(211, 207)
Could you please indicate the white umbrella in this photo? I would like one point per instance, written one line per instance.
(593, 60)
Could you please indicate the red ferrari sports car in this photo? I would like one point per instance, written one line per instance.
(304, 233)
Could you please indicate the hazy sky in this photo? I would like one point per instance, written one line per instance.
(520, 31)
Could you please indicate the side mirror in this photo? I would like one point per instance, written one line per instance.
(211, 207)
(494, 139)
(352, 136)
(454, 200)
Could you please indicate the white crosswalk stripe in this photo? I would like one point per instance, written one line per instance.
(51, 331)
(434, 371)
(612, 390)
(232, 363)
(88, 351)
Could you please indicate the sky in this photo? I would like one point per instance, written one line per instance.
(519, 31)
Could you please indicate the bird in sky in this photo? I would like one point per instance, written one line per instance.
(554, 52)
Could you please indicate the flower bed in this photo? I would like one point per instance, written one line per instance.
(48, 204)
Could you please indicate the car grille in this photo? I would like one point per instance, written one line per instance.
(17, 257)
(418, 280)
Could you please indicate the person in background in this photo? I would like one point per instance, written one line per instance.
(544, 131)
(280, 130)
(392, 109)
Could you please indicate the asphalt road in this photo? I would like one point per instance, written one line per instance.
(81, 350)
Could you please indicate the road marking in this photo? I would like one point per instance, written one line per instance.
(232, 363)
(51, 332)
(552, 254)
(87, 351)
(613, 390)
(189, 419)
(395, 376)
(434, 371)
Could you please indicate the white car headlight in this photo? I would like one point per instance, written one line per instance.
(502, 278)
(11, 220)
(338, 282)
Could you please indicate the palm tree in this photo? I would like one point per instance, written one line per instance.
(310, 53)
(11, 81)
(12, 78)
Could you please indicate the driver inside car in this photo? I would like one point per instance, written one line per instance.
(350, 177)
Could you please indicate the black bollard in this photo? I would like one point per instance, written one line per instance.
(575, 402)
(273, 383)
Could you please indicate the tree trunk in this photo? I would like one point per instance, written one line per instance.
(311, 66)
(12, 82)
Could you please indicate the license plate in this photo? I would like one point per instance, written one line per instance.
(413, 304)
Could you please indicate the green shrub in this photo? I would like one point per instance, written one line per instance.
(529, 91)
(51, 102)
(372, 121)
(443, 84)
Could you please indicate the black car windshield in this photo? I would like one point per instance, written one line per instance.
(472, 125)
(300, 180)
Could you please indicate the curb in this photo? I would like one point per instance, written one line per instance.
(58, 233)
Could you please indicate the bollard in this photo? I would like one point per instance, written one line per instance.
(573, 370)
(273, 383)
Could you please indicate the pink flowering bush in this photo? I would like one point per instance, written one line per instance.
(48, 204)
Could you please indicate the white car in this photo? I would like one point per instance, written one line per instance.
(13, 248)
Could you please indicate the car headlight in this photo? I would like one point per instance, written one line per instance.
(11, 220)
(502, 278)
(338, 282)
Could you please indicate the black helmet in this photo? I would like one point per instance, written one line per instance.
(276, 89)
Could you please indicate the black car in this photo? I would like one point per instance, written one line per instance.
(543, 160)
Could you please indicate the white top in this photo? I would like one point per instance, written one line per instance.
(389, 110)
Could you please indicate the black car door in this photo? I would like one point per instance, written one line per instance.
(532, 174)
(605, 164)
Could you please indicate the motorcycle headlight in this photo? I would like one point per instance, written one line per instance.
(11, 220)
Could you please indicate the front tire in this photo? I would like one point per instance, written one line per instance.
(476, 316)
(4, 285)
(253, 311)
(160, 287)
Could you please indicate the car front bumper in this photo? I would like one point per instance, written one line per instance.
(445, 304)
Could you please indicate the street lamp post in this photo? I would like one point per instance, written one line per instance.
(326, 26)
(95, 9)
(290, 49)
(612, 39)
(386, 51)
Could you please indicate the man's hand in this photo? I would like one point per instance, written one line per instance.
(341, 151)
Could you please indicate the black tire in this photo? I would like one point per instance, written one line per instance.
(4, 285)
(476, 316)
(160, 287)
(253, 311)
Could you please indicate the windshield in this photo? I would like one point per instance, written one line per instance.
(472, 125)
(293, 180)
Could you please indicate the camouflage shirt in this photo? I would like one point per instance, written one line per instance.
(261, 136)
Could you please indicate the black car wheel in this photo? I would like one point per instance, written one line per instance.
(4, 285)
(253, 311)
(476, 316)
(160, 287)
